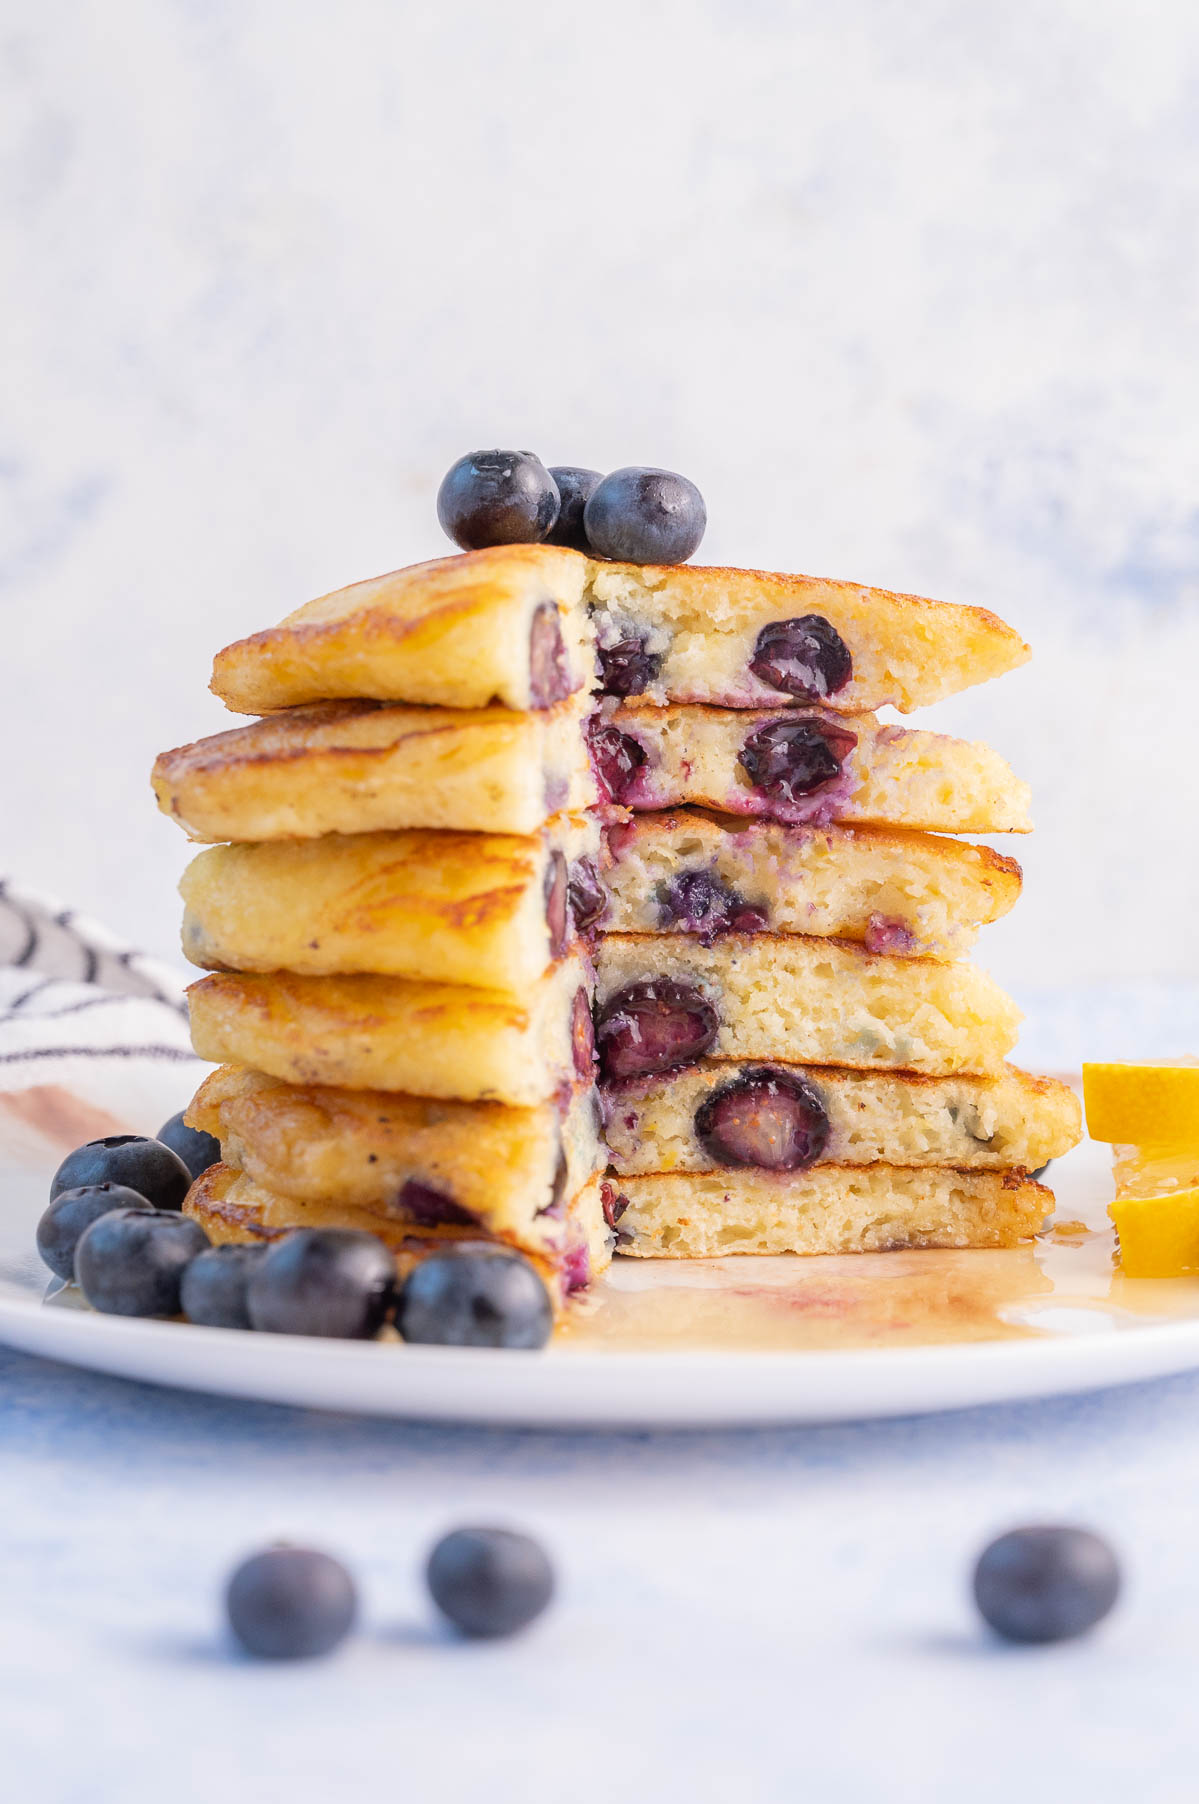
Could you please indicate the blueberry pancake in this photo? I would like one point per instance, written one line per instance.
(826, 1209)
(475, 1165)
(528, 624)
(806, 768)
(668, 1000)
(780, 1117)
(357, 767)
(392, 1033)
(488, 910)
(907, 894)
(504, 625)
(231, 1207)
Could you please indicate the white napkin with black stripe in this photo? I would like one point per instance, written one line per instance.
(74, 996)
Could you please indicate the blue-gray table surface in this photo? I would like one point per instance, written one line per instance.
(765, 1614)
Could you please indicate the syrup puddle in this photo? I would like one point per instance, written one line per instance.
(1065, 1283)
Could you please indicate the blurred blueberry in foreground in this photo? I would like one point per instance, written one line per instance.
(489, 1581)
(290, 1603)
(1046, 1583)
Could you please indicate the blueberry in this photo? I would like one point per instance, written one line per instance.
(774, 1120)
(430, 1207)
(788, 759)
(489, 1581)
(626, 667)
(1046, 1584)
(290, 1603)
(197, 1150)
(213, 1290)
(701, 902)
(575, 487)
(805, 657)
(582, 1034)
(617, 759)
(654, 1026)
(131, 1261)
(557, 915)
(497, 498)
(71, 1213)
(587, 895)
(144, 1165)
(336, 1282)
(476, 1294)
(645, 516)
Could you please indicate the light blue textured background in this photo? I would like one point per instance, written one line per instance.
(913, 292)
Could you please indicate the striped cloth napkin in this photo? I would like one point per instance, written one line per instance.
(80, 1010)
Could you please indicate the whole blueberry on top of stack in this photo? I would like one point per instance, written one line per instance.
(636, 515)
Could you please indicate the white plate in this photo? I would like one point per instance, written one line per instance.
(662, 1344)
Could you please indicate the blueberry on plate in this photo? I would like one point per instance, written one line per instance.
(144, 1165)
(489, 1581)
(213, 1291)
(197, 1150)
(475, 1294)
(131, 1261)
(334, 1282)
(575, 488)
(497, 498)
(290, 1603)
(69, 1216)
(1046, 1583)
(645, 516)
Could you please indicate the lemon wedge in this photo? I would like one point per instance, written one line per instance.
(1144, 1105)
(1156, 1212)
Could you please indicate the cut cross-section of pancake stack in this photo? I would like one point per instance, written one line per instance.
(491, 794)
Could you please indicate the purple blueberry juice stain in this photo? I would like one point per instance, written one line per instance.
(582, 1034)
(557, 918)
(806, 657)
(890, 937)
(549, 677)
(576, 1269)
(429, 1207)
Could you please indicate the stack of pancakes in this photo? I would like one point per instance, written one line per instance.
(492, 799)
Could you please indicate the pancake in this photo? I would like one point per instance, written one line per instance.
(807, 1001)
(826, 1209)
(479, 1165)
(746, 1114)
(907, 894)
(230, 1207)
(502, 625)
(807, 768)
(462, 631)
(356, 767)
(392, 1033)
(487, 910)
